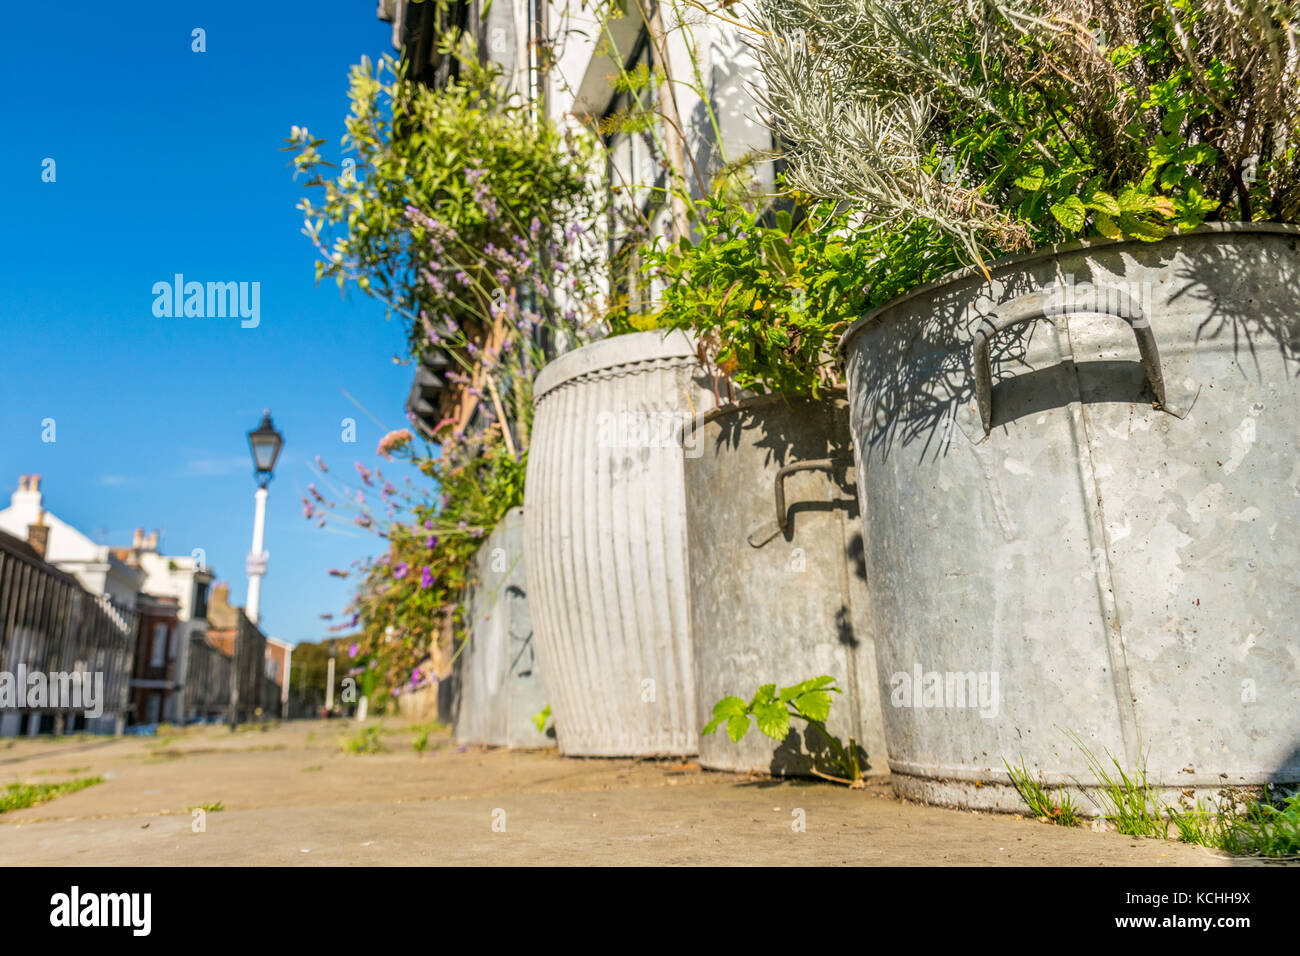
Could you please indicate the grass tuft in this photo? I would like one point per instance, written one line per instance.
(20, 796)
(1062, 810)
(1131, 803)
(1265, 829)
(367, 740)
(215, 807)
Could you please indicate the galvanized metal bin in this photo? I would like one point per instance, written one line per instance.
(1079, 485)
(501, 686)
(778, 585)
(606, 543)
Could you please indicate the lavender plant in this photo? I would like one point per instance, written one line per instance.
(470, 218)
(1010, 124)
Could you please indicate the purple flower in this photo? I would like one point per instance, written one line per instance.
(426, 577)
(399, 571)
(352, 651)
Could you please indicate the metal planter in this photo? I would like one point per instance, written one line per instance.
(779, 590)
(1078, 484)
(500, 683)
(606, 543)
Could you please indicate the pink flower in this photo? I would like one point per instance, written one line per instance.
(352, 651)
(393, 441)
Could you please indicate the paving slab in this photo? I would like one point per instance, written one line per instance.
(292, 796)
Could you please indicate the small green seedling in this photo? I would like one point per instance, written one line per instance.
(809, 701)
(365, 741)
(541, 717)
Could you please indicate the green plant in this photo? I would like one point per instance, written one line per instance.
(313, 768)
(1199, 827)
(460, 209)
(541, 717)
(1264, 829)
(771, 710)
(19, 796)
(769, 291)
(365, 741)
(1131, 803)
(408, 601)
(1013, 124)
(420, 743)
(215, 806)
(1062, 810)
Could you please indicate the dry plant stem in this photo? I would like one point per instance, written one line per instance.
(501, 416)
(858, 784)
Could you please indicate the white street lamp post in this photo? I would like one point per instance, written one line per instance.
(255, 564)
(265, 443)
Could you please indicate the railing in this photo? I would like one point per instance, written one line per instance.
(207, 683)
(49, 623)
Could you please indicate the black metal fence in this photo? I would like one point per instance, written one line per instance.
(50, 624)
(207, 683)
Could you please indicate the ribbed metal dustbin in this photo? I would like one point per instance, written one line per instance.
(501, 682)
(1079, 484)
(606, 543)
(778, 585)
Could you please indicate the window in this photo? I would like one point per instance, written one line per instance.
(634, 177)
(200, 610)
(272, 668)
(159, 647)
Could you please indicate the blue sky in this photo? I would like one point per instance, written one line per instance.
(167, 161)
